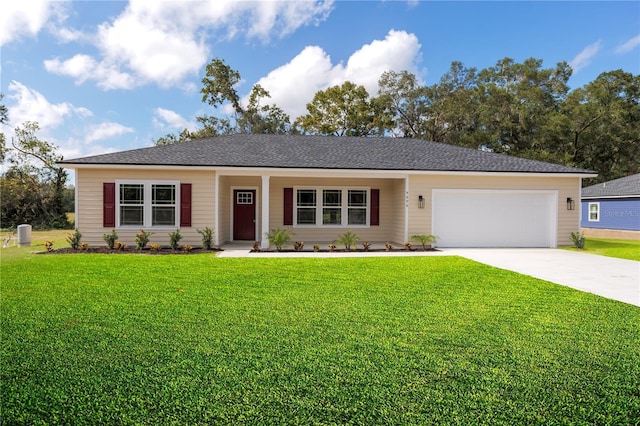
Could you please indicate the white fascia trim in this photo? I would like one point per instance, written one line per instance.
(264, 171)
(606, 197)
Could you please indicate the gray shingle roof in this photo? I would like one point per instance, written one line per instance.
(323, 152)
(626, 186)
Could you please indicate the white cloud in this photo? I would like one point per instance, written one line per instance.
(629, 45)
(397, 52)
(67, 35)
(26, 18)
(27, 104)
(583, 58)
(281, 18)
(164, 42)
(294, 84)
(84, 67)
(165, 118)
(30, 105)
(106, 131)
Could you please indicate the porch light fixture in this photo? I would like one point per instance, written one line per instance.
(571, 205)
(420, 202)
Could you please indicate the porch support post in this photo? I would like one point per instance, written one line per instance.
(216, 210)
(264, 221)
(406, 209)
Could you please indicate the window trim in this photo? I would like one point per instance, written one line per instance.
(597, 212)
(147, 206)
(319, 207)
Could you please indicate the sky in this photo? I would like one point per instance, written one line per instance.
(104, 76)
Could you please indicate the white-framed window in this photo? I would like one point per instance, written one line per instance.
(244, 197)
(593, 212)
(331, 207)
(147, 204)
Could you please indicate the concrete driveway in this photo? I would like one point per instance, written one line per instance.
(616, 279)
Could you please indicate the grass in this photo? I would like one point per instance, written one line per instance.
(134, 339)
(623, 249)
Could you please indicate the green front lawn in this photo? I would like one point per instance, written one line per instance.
(134, 339)
(623, 249)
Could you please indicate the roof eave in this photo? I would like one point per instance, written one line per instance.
(289, 170)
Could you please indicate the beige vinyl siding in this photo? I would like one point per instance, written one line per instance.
(389, 210)
(397, 218)
(392, 202)
(420, 219)
(90, 204)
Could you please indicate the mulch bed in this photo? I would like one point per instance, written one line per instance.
(128, 250)
(199, 250)
(340, 250)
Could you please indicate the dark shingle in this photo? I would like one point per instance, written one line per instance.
(626, 186)
(324, 152)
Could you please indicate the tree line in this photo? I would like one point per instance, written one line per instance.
(520, 109)
(33, 187)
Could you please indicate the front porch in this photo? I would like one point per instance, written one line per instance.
(317, 210)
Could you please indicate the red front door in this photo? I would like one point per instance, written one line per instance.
(244, 214)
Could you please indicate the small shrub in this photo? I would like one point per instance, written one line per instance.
(332, 247)
(348, 239)
(142, 239)
(74, 239)
(256, 246)
(111, 239)
(578, 239)
(154, 247)
(388, 246)
(48, 245)
(83, 246)
(366, 246)
(174, 239)
(187, 247)
(424, 240)
(207, 237)
(407, 245)
(298, 245)
(316, 247)
(279, 237)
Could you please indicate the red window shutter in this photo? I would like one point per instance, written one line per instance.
(185, 204)
(109, 205)
(374, 220)
(288, 206)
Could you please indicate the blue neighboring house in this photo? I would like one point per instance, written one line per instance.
(612, 205)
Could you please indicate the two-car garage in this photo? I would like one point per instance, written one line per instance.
(494, 218)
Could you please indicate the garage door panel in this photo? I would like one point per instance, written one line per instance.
(493, 218)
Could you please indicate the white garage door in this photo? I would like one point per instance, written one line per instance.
(485, 218)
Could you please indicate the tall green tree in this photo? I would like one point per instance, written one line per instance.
(405, 102)
(345, 110)
(219, 89)
(598, 128)
(265, 119)
(516, 100)
(3, 120)
(33, 187)
(453, 108)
